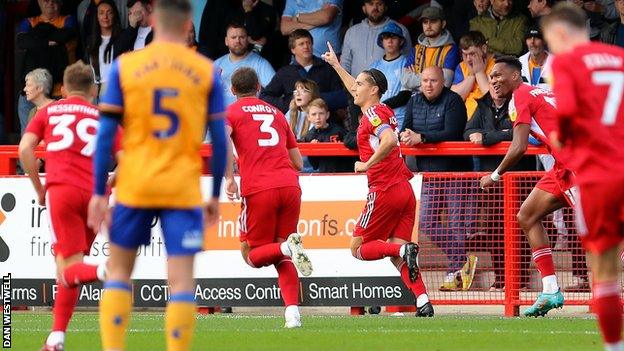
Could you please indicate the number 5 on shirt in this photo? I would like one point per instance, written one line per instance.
(159, 96)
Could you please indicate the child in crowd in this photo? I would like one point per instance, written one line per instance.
(323, 131)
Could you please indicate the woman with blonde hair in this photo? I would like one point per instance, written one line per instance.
(305, 91)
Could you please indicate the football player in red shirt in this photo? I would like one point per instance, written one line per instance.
(269, 161)
(385, 226)
(589, 87)
(68, 128)
(532, 111)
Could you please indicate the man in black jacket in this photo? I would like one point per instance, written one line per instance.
(490, 125)
(434, 115)
(279, 91)
(614, 32)
(139, 32)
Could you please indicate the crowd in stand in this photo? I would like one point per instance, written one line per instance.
(435, 55)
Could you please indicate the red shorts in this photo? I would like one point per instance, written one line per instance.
(269, 215)
(600, 215)
(388, 213)
(67, 208)
(560, 183)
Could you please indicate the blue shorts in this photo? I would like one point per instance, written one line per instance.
(183, 230)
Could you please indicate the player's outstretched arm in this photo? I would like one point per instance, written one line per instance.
(331, 58)
(515, 152)
(29, 162)
(389, 141)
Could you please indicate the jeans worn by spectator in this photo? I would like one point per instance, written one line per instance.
(457, 200)
(23, 109)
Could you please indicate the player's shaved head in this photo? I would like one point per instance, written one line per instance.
(173, 16)
(78, 78)
(245, 82)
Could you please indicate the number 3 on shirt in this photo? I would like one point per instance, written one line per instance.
(265, 127)
(159, 95)
(615, 81)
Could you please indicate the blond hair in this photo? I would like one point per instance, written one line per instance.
(294, 113)
(78, 77)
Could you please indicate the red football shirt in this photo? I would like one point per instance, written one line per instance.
(589, 86)
(68, 127)
(392, 168)
(536, 107)
(262, 139)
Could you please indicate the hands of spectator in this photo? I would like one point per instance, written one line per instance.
(330, 56)
(231, 189)
(314, 141)
(410, 138)
(211, 212)
(478, 65)
(593, 6)
(360, 167)
(486, 182)
(52, 43)
(476, 138)
(248, 5)
(135, 17)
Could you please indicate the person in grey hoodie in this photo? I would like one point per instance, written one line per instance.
(360, 49)
(435, 47)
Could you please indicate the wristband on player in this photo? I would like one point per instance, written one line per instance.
(495, 176)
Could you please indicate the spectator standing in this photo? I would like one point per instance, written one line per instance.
(322, 18)
(435, 47)
(471, 80)
(536, 62)
(614, 32)
(37, 89)
(236, 40)
(100, 46)
(360, 48)
(539, 8)
(214, 20)
(49, 41)
(391, 65)
(503, 29)
(139, 32)
(259, 19)
(279, 92)
(305, 91)
(87, 14)
(438, 114)
(462, 12)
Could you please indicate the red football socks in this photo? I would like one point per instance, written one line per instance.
(64, 304)
(265, 255)
(543, 260)
(79, 273)
(377, 249)
(288, 281)
(417, 287)
(608, 308)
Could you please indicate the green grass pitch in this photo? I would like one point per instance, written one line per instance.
(245, 332)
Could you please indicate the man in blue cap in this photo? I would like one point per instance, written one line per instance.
(392, 41)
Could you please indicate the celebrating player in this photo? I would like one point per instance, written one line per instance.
(68, 128)
(164, 96)
(532, 110)
(588, 84)
(385, 226)
(268, 162)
